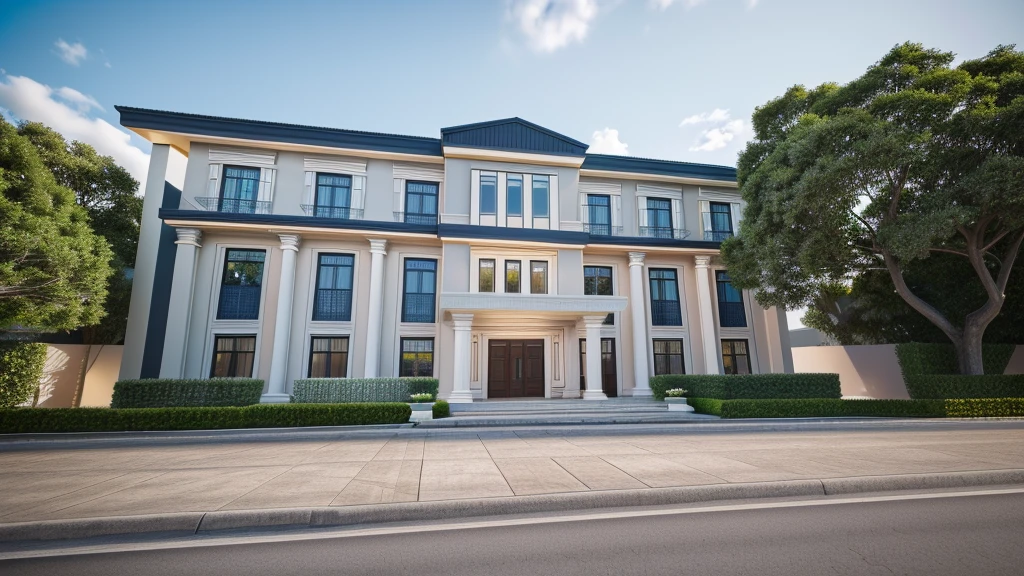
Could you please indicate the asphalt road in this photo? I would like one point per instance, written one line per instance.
(963, 535)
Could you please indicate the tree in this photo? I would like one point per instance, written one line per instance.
(913, 159)
(53, 268)
(109, 194)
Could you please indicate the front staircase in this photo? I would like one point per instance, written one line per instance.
(562, 412)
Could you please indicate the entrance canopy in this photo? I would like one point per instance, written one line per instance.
(550, 306)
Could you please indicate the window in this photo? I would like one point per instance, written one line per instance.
(333, 196)
(488, 193)
(240, 190)
(665, 309)
(668, 357)
(328, 357)
(538, 277)
(659, 218)
(333, 299)
(486, 275)
(420, 284)
(514, 194)
(721, 221)
(421, 202)
(512, 269)
(735, 359)
(241, 285)
(541, 189)
(599, 214)
(233, 356)
(730, 303)
(597, 281)
(417, 357)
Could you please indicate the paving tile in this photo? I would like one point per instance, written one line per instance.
(21, 491)
(454, 448)
(729, 469)
(657, 471)
(346, 451)
(537, 476)
(597, 474)
(381, 481)
(464, 478)
(304, 485)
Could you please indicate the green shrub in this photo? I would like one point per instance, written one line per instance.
(21, 369)
(984, 407)
(922, 359)
(441, 409)
(727, 387)
(831, 408)
(169, 393)
(711, 406)
(946, 386)
(332, 390)
(21, 420)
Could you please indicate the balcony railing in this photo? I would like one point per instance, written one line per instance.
(663, 232)
(717, 235)
(333, 305)
(234, 205)
(731, 315)
(666, 313)
(602, 229)
(416, 218)
(336, 212)
(418, 308)
(239, 303)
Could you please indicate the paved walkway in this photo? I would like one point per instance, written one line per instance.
(145, 477)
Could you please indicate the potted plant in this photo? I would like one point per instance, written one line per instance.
(676, 400)
(422, 407)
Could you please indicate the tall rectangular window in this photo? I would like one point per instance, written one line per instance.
(240, 190)
(417, 357)
(597, 281)
(665, 310)
(421, 202)
(333, 299)
(541, 192)
(730, 303)
(721, 221)
(659, 218)
(512, 276)
(599, 214)
(488, 193)
(538, 277)
(328, 357)
(668, 357)
(233, 356)
(420, 287)
(735, 359)
(514, 194)
(241, 285)
(486, 275)
(333, 196)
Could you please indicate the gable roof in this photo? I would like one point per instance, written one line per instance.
(514, 135)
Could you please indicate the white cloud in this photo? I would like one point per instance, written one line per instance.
(607, 142)
(71, 53)
(665, 4)
(716, 115)
(552, 24)
(25, 99)
(751, 4)
(723, 131)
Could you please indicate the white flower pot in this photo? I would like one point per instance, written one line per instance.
(421, 411)
(677, 404)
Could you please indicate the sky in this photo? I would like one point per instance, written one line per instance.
(670, 79)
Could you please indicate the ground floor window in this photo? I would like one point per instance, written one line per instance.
(417, 357)
(668, 357)
(735, 359)
(233, 356)
(328, 357)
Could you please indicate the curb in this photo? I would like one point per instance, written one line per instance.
(189, 523)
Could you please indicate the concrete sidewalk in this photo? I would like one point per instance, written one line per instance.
(56, 483)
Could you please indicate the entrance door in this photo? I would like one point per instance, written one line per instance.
(609, 371)
(515, 368)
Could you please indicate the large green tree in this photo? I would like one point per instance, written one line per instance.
(53, 268)
(912, 159)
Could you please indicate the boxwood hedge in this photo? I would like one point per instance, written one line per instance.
(167, 392)
(21, 369)
(960, 386)
(727, 387)
(916, 358)
(441, 409)
(831, 407)
(327, 390)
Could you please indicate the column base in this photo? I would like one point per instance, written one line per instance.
(460, 397)
(275, 399)
(642, 393)
(594, 395)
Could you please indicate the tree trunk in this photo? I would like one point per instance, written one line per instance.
(968, 350)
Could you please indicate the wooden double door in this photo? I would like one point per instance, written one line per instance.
(515, 368)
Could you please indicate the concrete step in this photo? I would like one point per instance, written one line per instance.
(542, 405)
(563, 419)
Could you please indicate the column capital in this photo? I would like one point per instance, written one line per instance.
(702, 261)
(594, 321)
(377, 246)
(462, 321)
(189, 236)
(290, 242)
(637, 258)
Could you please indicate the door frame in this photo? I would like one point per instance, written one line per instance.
(486, 334)
(524, 345)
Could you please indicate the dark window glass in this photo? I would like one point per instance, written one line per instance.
(514, 194)
(721, 221)
(240, 190)
(512, 276)
(333, 196)
(665, 310)
(333, 298)
(541, 191)
(417, 357)
(597, 281)
(328, 357)
(659, 218)
(486, 275)
(233, 356)
(421, 202)
(599, 214)
(241, 285)
(488, 193)
(735, 359)
(538, 277)
(668, 357)
(730, 303)
(607, 357)
(420, 285)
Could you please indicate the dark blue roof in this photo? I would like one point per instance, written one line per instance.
(276, 132)
(660, 167)
(514, 135)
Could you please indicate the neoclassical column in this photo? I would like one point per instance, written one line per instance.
(712, 364)
(639, 314)
(376, 307)
(594, 390)
(277, 385)
(461, 394)
(179, 310)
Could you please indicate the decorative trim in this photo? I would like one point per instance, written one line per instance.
(655, 177)
(462, 321)
(600, 188)
(455, 219)
(189, 236)
(637, 258)
(594, 321)
(702, 261)
(653, 191)
(507, 156)
(576, 305)
(412, 171)
(378, 246)
(718, 196)
(326, 164)
(289, 223)
(240, 156)
(290, 242)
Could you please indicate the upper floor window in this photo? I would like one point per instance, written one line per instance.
(659, 219)
(420, 288)
(597, 281)
(538, 277)
(233, 356)
(241, 285)
(599, 214)
(718, 226)
(239, 192)
(665, 310)
(512, 276)
(333, 298)
(514, 194)
(730, 303)
(735, 358)
(328, 357)
(488, 193)
(486, 275)
(541, 192)
(333, 196)
(421, 202)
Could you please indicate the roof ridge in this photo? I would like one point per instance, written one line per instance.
(646, 159)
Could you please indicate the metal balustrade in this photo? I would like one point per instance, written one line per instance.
(663, 232)
(234, 205)
(416, 218)
(666, 313)
(335, 212)
(418, 308)
(239, 302)
(602, 229)
(731, 315)
(333, 305)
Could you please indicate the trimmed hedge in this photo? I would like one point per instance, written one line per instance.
(945, 386)
(21, 420)
(333, 390)
(171, 393)
(984, 407)
(441, 409)
(832, 408)
(756, 386)
(21, 369)
(924, 359)
(706, 405)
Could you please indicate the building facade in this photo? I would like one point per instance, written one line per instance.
(500, 258)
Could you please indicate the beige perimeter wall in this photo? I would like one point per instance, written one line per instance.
(79, 375)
